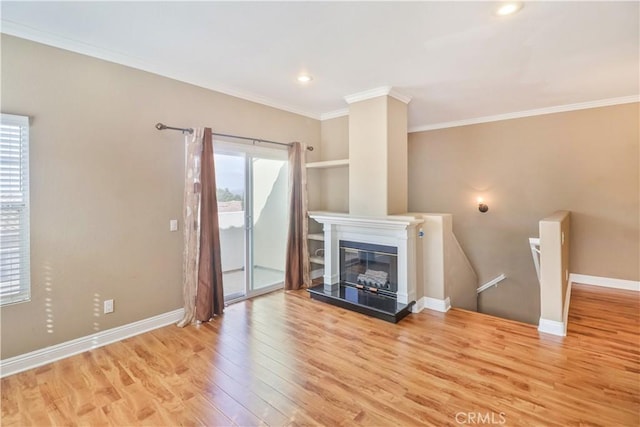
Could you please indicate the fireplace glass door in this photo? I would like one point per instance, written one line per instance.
(369, 266)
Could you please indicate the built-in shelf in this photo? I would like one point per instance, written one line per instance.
(328, 164)
(317, 260)
(316, 236)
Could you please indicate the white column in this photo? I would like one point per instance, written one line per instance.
(331, 252)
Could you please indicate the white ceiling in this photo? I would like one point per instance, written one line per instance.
(457, 60)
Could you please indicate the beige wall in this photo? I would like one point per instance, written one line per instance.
(378, 148)
(397, 179)
(368, 156)
(443, 269)
(334, 143)
(586, 162)
(334, 138)
(104, 184)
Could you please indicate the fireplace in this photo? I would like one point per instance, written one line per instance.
(369, 264)
(369, 267)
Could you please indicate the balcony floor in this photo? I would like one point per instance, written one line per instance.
(263, 277)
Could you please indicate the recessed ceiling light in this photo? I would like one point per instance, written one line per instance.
(509, 8)
(304, 78)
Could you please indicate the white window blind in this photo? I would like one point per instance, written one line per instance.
(14, 216)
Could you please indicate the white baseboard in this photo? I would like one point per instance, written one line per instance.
(605, 282)
(418, 306)
(442, 305)
(565, 314)
(552, 327)
(317, 273)
(36, 358)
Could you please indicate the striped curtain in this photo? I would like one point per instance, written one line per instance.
(202, 268)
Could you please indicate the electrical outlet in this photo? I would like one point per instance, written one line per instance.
(173, 225)
(108, 306)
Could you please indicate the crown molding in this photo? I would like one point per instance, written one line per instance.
(367, 94)
(49, 39)
(14, 29)
(529, 113)
(334, 114)
(399, 96)
(376, 92)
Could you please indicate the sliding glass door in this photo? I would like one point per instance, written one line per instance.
(231, 193)
(252, 209)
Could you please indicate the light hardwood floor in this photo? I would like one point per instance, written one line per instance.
(283, 359)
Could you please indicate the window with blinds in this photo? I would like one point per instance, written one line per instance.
(14, 216)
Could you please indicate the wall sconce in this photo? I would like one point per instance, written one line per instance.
(482, 207)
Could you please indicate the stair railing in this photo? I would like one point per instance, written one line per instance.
(534, 243)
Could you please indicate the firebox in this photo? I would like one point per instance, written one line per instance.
(369, 266)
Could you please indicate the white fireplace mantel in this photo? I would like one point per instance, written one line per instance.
(394, 230)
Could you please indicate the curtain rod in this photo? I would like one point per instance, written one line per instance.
(161, 126)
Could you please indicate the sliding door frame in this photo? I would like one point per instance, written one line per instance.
(249, 153)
